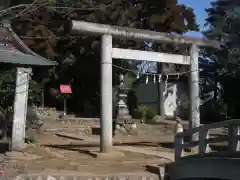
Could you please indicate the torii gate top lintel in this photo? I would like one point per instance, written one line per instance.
(77, 27)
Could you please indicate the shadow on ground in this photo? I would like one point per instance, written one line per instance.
(69, 137)
(85, 148)
(167, 145)
(96, 131)
(81, 147)
(88, 145)
(153, 169)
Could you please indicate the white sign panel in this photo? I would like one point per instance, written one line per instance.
(130, 54)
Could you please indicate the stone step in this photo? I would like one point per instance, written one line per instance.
(88, 176)
(80, 121)
(81, 131)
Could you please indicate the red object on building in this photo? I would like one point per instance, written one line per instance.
(65, 89)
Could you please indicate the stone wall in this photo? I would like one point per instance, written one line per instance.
(46, 112)
(89, 176)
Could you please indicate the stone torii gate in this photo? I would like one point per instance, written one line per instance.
(107, 32)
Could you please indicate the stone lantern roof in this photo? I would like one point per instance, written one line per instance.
(14, 51)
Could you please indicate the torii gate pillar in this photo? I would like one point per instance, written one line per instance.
(194, 100)
(106, 94)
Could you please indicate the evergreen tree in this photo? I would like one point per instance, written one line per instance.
(41, 28)
(223, 21)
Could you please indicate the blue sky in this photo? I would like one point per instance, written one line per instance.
(199, 7)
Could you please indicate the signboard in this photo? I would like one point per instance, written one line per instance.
(65, 89)
(131, 54)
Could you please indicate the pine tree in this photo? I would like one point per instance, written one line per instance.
(223, 20)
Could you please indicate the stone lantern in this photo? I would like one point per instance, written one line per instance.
(123, 116)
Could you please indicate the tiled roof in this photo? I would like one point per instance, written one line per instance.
(14, 51)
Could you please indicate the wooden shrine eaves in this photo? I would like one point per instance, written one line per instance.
(14, 51)
(82, 27)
